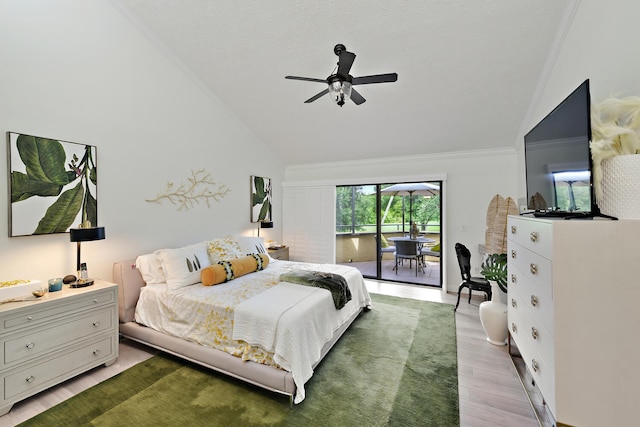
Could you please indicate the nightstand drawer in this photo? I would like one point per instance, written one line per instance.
(39, 376)
(31, 344)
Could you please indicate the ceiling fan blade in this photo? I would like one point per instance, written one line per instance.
(378, 78)
(345, 62)
(306, 79)
(356, 97)
(313, 98)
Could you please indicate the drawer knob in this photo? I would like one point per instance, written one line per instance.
(534, 333)
(96, 352)
(534, 365)
(513, 303)
(533, 268)
(95, 301)
(513, 229)
(534, 300)
(514, 327)
(30, 378)
(96, 323)
(30, 318)
(533, 236)
(30, 345)
(513, 254)
(513, 278)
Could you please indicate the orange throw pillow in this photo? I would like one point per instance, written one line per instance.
(224, 271)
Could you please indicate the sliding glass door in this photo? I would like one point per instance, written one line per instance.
(370, 219)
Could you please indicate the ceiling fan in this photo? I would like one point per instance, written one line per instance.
(340, 84)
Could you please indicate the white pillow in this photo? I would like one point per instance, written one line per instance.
(252, 245)
(151, 269)
(223, 249)
(182, 266)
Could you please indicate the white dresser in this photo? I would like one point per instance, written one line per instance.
(574, 315)
(54, 338)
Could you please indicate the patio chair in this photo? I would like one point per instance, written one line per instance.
(433, 251)
(384, 246)
(471, 283)
(407, 250)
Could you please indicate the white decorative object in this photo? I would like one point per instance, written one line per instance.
(621, 187)
(493, 316)
(19, 290)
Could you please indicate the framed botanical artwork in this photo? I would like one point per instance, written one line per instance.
(53, 185)
(260, 199)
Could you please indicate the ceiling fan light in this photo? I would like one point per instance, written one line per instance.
(340, 91)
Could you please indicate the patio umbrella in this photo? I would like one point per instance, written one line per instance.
(412, 189)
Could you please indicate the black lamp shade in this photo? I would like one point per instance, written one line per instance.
(266, 224)
(86, 234)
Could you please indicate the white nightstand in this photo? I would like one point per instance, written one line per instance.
(282, 253)
(49, 340)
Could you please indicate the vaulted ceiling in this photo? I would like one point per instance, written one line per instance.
(467, 70)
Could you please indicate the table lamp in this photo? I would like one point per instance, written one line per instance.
(264, 224)
(84, 234)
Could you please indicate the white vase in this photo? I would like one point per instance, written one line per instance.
(621, 187)
(493, 316)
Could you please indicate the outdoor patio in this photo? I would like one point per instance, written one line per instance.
(431, 275)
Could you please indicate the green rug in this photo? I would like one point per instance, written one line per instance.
(395, 366)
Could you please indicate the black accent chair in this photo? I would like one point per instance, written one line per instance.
(472, 283)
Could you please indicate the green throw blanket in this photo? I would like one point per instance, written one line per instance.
(334, 283)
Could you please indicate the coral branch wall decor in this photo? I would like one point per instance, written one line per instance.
(260, 199)
(199, 188)
(53, 185)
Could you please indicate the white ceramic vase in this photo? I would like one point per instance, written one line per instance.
(493, 316)
(621, 187)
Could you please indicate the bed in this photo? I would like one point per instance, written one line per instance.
(255, 328)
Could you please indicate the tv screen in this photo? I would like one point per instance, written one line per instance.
(558, 159)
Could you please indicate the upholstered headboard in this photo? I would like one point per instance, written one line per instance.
(129, 281)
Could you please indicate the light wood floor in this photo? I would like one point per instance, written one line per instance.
(489, 389)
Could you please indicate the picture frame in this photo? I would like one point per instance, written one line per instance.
(53, 185)
(260, 199)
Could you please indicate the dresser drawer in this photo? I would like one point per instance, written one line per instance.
(47, 311)
(539, 336)
(535, 235)
(27, 345)
(535, 291)
(38, 376)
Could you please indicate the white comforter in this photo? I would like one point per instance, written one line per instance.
(231, 317)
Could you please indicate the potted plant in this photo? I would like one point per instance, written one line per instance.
(494, 268)
(615, 141)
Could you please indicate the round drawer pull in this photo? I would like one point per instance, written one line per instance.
(513, 229)
(514, 327)
(96, 323)
(95, 301)
(30, 318)
(30, 378)
(534, 300)
(513, 254)
(533, 236)
(30, 345)
(513, 303)
(533, 268)
(534, 365)
(534, 333)
(513, 278)
(96, 352)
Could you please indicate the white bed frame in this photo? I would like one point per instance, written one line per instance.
(129, 281)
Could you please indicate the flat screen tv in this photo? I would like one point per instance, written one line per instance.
(558, 160)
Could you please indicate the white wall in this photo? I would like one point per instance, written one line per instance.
(81, 71)
(472, 179)
(600, 44)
